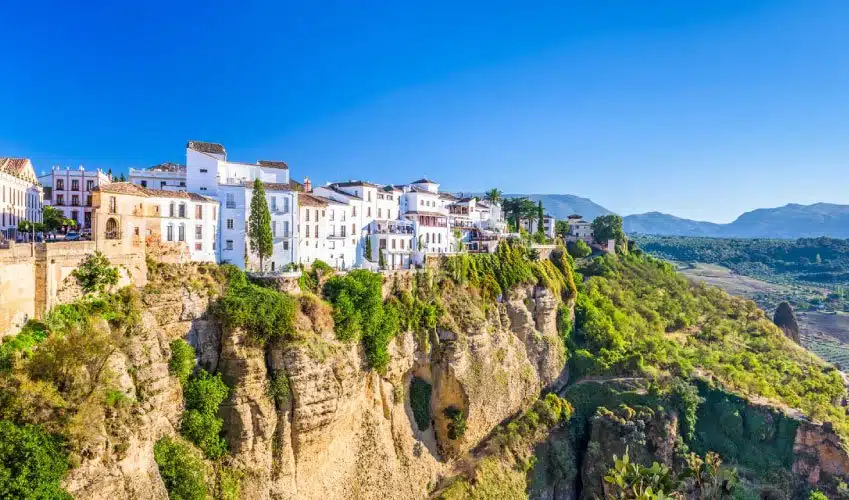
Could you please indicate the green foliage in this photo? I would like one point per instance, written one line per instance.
(381, 259)
(420, 402)
(311, 279)
(265, 313)
(32, 463)
(53, 219)
(456, 422)
(608, 227)
(259, 224)
(493, 195)
(636, 315)
(685, 397)
(367, 249)
(579, 249)
(95, 273)
(279, 390)
(229, 483)
(817, 495)
(359, 313)
(204, 394)
(182, 361)
(630, 480)
(182, 469)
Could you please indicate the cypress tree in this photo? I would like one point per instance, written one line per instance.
(540, 224)
(259, 225)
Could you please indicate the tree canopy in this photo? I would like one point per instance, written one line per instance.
(259, 224)
(608, 227)
(494, 195)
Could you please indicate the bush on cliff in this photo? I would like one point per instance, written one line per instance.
(182, 361)
(32, 462)
(96, 273)
(182, 469)
(204, 394)
(264, 313)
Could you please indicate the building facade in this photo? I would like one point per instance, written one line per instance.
(72, 191)
(21, 195)
(175, 225)
(165, 176)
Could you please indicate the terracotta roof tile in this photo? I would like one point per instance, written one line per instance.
(18, 167)
(273, 164)
(136, 190)
(310, 200)
(206, 147)
(278, 186)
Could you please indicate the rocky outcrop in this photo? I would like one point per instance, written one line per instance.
(820, 458)
(785, 319)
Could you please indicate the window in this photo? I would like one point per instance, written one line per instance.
(198, 211)
(162, 184)
(354, 210)
(421, 203)
(286, 245)
(60, 184)
(203, 170)
(112, 232)
(88, 200)
(343, 231)
(353, 229)
(379, 213)
(402, 244)
(286, 205)
(181, 234)
(87, 220)
(230, 201)
(285, 229)
(75, 216)
(332, 230)
(198, 232)
(203, 189)
(274, 229)
(368, 212)
(307, 234)
(113, 205)
(199, 245)
(60, 199)
(316, 230)
(332, 215)
(393, 243)
(388, 213)
(89, 185)
(440, 237)
(228, 245)
(229, 223)
(273, 203)
(170, 233)
(182, 183)
(75, 200)
(144, 184)
(369, 196)
(182, 211)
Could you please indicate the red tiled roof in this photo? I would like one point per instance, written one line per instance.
(136, 190)
(313, 201)
(18, 168)
(278, 186)
(206, 147)
(273, 164)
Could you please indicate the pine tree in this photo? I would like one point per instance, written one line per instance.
(259, 225)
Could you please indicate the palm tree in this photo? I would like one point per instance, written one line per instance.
(493, 195)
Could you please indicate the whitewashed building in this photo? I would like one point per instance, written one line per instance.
(208, 172)
(421, 204)
(167, 176)
(21, 195)
(71, 191)
(579, 229)
(395, 239)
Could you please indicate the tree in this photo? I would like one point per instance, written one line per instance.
(381, 259)
(96, 273)
(259, 225)
(516, 209)
(540, 218)
(561, 228)
(494, 195)
(367, 249)
(579, 249)
(608, 227)
(53, 219)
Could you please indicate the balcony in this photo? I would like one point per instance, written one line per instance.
(391, 227)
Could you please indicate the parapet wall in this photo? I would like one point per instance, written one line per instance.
(36, 278)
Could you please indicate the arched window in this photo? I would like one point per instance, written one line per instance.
(182, 210)
(112, 232)
(172, 210)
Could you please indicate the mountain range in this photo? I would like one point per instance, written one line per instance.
(790, 221)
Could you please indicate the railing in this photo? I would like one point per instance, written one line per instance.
(230, 204)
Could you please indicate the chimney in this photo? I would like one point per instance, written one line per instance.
(307, 185)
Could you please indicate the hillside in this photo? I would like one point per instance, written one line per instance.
(790, 221)
(508, 375)
(564, 205)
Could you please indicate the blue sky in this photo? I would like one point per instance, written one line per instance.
(703, 109)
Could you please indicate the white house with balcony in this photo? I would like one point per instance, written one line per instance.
(166, 176)
(71, 191)
(395, 239)
(421, 203)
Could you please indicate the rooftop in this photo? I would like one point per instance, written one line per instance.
(17, 167)
(310, 200)
(136, 190)
(278, 186)
(353, 183)
(424, 180)
(167, 167)
(273, 164)
(206, 147)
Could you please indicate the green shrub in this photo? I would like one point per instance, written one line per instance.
(182, 469)
(32, 462)
(360, 313)
(579, 249)
(95, 273)
(279, 390)
(264, 313)
(420, 402)
(456, 423)
(182, 361)
(204, 394)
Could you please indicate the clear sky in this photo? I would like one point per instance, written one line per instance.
(702, 109)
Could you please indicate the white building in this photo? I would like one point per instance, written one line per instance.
(167, 176)
(71, 191)
(208, 172)
(395, 239)
(21, 195)
(532, 225)
(579, 229)
(422, 204)
(312, 234)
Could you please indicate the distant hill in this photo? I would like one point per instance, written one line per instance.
(790, 221)
(564, 205)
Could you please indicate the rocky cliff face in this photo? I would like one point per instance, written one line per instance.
(344, 431)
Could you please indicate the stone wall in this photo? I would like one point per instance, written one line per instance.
(36, 278)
